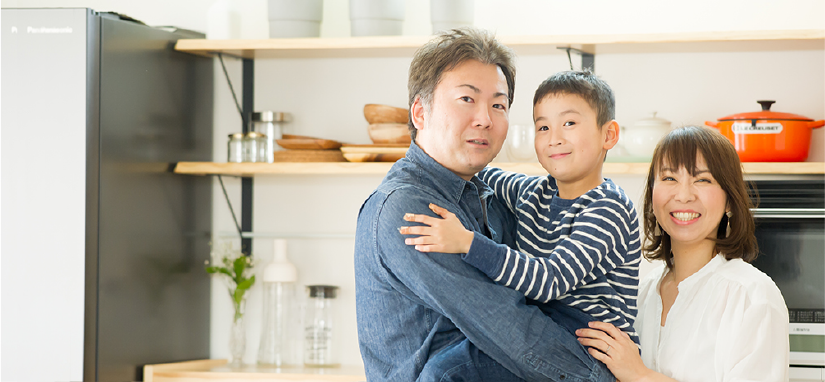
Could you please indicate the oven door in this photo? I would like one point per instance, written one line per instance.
(792, 253)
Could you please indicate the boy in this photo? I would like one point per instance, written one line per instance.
(577, 233)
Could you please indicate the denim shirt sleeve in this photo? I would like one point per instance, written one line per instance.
(494, 318)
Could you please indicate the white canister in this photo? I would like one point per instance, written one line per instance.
(449, 14)
(291, 18)
(641, 138)
(376, 17)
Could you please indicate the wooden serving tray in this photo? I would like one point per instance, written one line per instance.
(309, 156)
(374, 153)
(300, 142)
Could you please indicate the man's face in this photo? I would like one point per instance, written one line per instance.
(466, 124)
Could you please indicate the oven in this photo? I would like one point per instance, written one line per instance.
(790, 230)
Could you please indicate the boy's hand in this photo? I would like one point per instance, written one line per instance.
(445, 235)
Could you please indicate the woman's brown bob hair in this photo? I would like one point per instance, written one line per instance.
(678, 149)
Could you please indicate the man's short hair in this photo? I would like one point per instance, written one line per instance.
(450, 49)
(584, 84)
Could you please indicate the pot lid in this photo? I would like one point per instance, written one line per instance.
(766, 113)
(652, 121)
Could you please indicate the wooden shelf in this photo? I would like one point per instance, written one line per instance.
(217, 370)
(369, 168)
(393, 46)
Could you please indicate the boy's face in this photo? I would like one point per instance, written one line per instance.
(569, 143)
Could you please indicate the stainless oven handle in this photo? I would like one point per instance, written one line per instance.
(789, 213)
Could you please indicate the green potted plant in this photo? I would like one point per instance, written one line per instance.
(237, 269)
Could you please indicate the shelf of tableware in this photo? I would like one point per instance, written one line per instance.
(218, 370)
(381, 168)
(761, 40)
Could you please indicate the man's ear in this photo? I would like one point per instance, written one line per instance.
(417, 113)
(611, 136)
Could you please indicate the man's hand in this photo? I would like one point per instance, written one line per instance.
(445, 235)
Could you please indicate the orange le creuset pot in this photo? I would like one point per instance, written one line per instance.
(768, 136)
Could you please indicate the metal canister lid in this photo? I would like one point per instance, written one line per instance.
(322, 291)
(236, 136)
(270, 116)
(254, 135)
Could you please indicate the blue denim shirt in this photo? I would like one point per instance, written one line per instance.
(410, 304)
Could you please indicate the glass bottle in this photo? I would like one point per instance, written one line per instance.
(318, 329)
(276, 347)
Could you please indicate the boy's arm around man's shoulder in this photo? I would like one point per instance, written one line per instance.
(604, 235)
(495, 319)
(508, 186)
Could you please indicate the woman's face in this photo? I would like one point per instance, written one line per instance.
(687, 207)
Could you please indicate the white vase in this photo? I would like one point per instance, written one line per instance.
(376, 17)
(223, 21)
(449, 14)
(295, 18)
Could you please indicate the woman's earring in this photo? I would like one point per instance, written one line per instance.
(727, 231)
(657, 231)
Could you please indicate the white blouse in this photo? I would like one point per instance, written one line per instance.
(729, 323)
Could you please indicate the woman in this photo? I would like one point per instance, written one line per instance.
(705, 314)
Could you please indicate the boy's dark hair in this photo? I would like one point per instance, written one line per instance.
(678, 149)
(450, 49)
(584, 84)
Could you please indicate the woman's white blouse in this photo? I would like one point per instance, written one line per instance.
(729, 323)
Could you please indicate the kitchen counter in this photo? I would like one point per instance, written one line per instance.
(217, 370)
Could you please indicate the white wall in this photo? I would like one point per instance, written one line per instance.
(326, 97)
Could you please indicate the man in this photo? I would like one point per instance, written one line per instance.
(419, 312)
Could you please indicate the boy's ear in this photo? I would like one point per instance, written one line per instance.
(611, 136)
(417, 113)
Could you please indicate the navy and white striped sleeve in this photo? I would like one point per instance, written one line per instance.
(508, 186)
(601, 238)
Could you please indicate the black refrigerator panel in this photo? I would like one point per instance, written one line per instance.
(154, 226)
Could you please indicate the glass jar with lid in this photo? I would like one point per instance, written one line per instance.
(318, 326)
(254, 147)
(270, 123)
(234, 148)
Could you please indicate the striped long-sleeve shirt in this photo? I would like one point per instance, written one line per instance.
(585, 253)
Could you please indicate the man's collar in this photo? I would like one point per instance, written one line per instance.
(442, 178)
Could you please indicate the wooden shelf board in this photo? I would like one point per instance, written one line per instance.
(371, 168)
(406, 45)
(220, 370)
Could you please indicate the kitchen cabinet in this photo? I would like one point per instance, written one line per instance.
(285, 65)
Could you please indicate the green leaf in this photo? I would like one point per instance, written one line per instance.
(246, 284)
(211, 269)
(240, 265)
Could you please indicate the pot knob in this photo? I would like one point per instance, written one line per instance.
(766, 105)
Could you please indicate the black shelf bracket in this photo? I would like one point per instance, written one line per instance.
(588, 59)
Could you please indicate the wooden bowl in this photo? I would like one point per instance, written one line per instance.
(375, 113)
(382, 133)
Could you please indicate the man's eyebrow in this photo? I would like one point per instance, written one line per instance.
(477, 90)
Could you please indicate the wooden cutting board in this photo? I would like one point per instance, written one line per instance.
(309, 156)
(374, 153)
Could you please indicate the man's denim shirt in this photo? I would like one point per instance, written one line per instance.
(410, 304)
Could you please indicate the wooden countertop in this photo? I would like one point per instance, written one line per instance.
(218, 370)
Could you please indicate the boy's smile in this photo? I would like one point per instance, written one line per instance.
(569, 143)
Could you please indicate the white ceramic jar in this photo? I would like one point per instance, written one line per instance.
(292, 18)
(641, 138)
